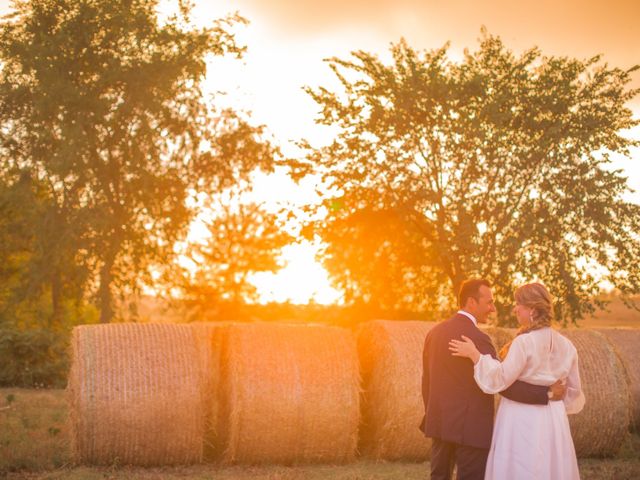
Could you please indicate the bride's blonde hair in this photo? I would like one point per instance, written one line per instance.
(536, 297)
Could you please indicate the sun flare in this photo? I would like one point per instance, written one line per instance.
(302, 280)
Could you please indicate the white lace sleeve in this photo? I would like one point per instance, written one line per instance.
(574, 398)
(493, 376)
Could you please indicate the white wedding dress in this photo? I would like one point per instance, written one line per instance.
(533, 441)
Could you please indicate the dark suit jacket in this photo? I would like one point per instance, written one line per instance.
(456, 410)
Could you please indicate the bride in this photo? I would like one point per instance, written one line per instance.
(530, 441)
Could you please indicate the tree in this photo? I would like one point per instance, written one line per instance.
(493, 166)
(34, 258)
(102, 102)
(34, 332)
(242, 238)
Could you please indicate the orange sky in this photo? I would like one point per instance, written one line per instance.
(570, 27)
(288, 39)
(573, 27)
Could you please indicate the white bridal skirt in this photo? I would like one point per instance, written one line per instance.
(531, 442)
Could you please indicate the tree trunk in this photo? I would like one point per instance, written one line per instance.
(56, 300)
(456, 282)
(105, 296)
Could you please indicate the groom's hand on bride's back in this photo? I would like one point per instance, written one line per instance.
(557, 391)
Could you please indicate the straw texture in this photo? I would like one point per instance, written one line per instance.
(499, 336)
(290, 394)
(209, 338)
(599, 430)
(391, 365)
(134, 392)
(626, 343)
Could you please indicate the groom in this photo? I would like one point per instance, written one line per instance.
(458, 415)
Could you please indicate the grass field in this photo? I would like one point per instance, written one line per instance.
(617, 314)
(34, 444)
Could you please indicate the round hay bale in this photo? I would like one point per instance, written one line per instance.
(626, 343)
(290, 394)
(601, 427)
(209, 337)
(135, 396)
(392, 407)
(499, 336)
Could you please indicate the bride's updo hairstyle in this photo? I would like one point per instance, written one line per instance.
(536, 297)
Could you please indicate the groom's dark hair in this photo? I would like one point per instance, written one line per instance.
(471, 288)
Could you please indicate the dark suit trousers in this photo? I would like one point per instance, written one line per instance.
(471, 461)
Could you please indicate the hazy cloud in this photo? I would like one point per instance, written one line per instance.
(578, 28)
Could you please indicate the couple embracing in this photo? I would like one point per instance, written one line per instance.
(536, 375)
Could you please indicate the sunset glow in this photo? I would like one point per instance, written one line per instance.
(286, 47)
(287, 44)
(302, 280)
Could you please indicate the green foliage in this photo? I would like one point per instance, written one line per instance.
(34, 353)
(494, 166)
(101, 103)
(33, 329)
(37, 356)
(34, 255)
(33, 358)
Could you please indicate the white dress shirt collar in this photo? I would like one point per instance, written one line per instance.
(469, 316)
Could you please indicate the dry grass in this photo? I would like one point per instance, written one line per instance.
(34, 434)
(37, 453)
(617, 314)
(353, 471)
(363, 470)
